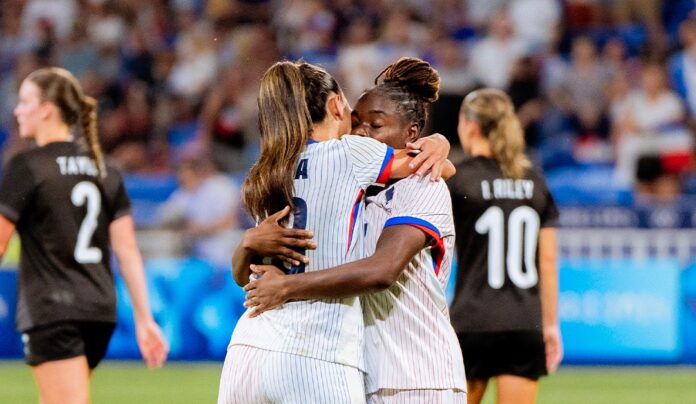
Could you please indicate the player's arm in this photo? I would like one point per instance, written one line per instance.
(7, 228)
(548, 290)
(431, 158)
(152, 345)
(396, 246)
(270, 239)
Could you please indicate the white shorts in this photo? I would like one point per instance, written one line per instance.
(253, 375)
(392, 396)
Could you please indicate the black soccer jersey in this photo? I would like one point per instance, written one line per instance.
(497, 221)
(62, 211)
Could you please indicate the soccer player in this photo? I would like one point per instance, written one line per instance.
(411, 350)
(68, 206)
(504, 308)
(307, 351)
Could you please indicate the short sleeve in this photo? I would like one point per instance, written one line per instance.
(371, 159)
(16, 188)
(549, 215)
(423, 204)
(120, 202)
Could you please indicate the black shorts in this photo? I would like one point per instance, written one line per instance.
(489, 354)
(67, 339)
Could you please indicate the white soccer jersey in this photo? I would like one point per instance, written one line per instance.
(409, 341)
(330, 181)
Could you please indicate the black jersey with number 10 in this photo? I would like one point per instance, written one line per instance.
(497, 222)
(62, 211)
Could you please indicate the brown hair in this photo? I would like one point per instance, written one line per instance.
(292, 97)
(60, 87)
(413, 85)
(493, 112)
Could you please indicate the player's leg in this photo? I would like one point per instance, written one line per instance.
(298, 379)
(476, 388)
(63, 381)
(516, 390)
(241, 380)
(517, 380)
(56, 352)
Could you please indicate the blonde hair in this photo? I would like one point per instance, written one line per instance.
(60, 87)
(493, 112)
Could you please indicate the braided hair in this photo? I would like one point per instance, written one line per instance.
(412, 84)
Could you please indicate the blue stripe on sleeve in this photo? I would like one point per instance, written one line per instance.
(394, 221)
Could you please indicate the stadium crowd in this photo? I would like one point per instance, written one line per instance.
(596, 82)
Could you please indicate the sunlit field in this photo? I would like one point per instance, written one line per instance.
(185, 382)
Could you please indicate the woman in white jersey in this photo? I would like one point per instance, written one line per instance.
(308, 351)
(411, 351)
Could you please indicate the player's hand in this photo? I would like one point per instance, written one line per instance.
(153, 347)
(434, 150)
(267, 292)
(554, 347)
(270, 239)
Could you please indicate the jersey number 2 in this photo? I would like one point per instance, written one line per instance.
(86, 192)
(523, 229)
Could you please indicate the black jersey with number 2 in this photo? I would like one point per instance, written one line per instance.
(62, 211)
(497, 221)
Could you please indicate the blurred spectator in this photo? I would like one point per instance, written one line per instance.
(196, 63)
(652, 122)
(580, 91)
(653, 182)
(525, 92)
(60, 15)
(206, 209)
(357, 57)
(78, 54)
(535, 22)
(493, 56)
(682, 65)
(227, 119)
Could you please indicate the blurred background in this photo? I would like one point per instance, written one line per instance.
(606, 90)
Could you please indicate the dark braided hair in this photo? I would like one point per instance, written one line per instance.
(412, 84)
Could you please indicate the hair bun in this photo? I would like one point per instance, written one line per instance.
(415, 75)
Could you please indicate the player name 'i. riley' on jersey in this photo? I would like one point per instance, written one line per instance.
(505, 188)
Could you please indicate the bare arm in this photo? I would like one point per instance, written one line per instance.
(269, 239)
(432, 158)
(396, 246)
(548, 289)
(152, 345)
(7, 228)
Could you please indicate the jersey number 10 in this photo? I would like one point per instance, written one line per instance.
(523, 233)
(86, 192)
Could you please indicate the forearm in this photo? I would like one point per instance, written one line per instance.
(241, 260)
(122, 232)
(395, 248)
(356, 278)
(133, 273)
(548, 279)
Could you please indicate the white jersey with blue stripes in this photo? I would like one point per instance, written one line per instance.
(409, 341)
(330, 182)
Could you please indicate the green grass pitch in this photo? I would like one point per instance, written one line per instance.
(184, 382)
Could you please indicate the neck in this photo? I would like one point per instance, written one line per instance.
(49, 133)
(481, 148)
(325, 130)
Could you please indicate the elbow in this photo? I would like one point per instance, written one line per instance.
(384, 278)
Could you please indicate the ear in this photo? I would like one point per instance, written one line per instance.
(48, 109)
(413, 132)
(336, 107)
